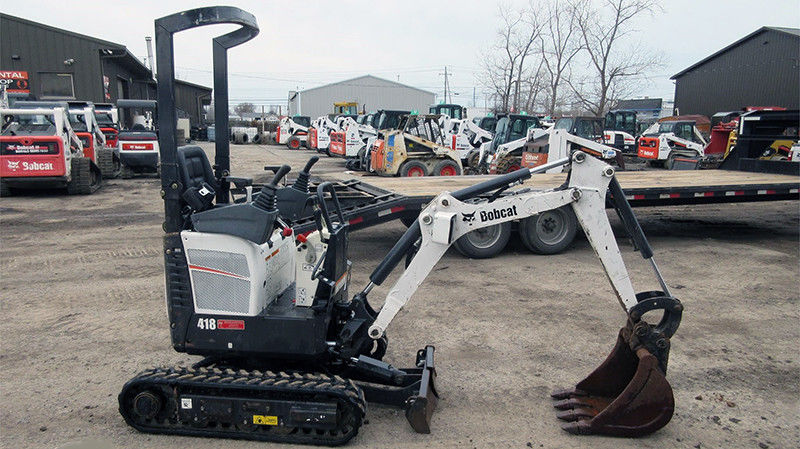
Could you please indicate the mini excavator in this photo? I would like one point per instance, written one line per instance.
(289, 355)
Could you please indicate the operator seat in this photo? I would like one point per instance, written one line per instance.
(251, 221)
(197, 177)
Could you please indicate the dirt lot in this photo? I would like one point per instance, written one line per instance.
(83, 311)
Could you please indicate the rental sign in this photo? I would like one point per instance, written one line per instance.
(15, 81)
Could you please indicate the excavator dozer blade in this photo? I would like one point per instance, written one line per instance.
(626, 396)
(420, 407)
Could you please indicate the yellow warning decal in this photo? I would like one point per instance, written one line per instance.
(265, 420)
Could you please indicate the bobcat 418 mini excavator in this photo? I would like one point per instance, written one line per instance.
(291, 357)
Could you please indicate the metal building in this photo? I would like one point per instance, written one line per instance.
(49, 63)
(370, 92)
(761, 69)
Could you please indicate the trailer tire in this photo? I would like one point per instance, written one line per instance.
(446, 167)
(85, 180)
(294, 143)
(486, 242)
(411, 168)
(549, 232)
(5, 191)
(507, 165)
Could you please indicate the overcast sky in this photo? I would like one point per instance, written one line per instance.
(310, 43)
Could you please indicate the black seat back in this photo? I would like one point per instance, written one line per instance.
(197, 177)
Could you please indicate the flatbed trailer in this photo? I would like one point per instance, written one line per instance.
(371, 200)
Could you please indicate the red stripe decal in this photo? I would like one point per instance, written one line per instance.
(770, 192)
(739, 192)
(234, 325)
(397, 209)
(638, 197)
(211, 270)
(674, 195)
(356, 220)
(708, 193)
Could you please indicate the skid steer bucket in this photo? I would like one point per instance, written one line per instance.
(628, 394)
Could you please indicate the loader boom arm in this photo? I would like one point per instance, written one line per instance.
(446, 219)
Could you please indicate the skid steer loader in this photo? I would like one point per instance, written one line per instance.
(417, 148)
(138, 145)
(291, 357)
(39, 149)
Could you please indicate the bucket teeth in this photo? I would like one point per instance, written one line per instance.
(627, 395)
(566, 404)
(575, 414)
(565, 393)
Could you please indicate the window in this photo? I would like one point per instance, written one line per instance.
(56, 86)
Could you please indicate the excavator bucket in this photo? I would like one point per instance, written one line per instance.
(626, 396)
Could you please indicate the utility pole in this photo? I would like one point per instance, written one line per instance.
(447, 86)
(473, 96)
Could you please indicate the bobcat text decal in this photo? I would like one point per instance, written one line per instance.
(495, 214)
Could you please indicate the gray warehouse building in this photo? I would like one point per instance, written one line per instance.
(48, 63)
(761, 69)
(370, 92)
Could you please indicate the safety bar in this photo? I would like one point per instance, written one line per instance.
(323, 206)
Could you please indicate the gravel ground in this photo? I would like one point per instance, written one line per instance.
(82, 301)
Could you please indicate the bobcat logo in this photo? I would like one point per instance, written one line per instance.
(13, 165)
(469, 218)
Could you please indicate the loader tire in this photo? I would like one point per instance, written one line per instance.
(549, 232)
(446, 167)
(5, 191)
(670, 162)
(84, 179)
(413, 168)
(108, 162)
(486, 242)
(294, 143)
(507, 165)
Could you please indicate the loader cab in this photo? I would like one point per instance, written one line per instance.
(302, 120)
(487, 123)
(682, 129)
(345, 108)
(587, 127)
(451, 110)
(107, 117)
(621, 120)
(513, 127)
(389, 119)
(425, 127)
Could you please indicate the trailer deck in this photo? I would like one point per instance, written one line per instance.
(369, 199)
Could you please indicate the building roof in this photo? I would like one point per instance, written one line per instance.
(62, 31)
(640, 104)
(196, 86)
(367, 77)
(794, 32)
(112, 50)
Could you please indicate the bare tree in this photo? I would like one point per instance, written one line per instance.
(615, 70)
(504, 66)
(244, 108)
(559, 44)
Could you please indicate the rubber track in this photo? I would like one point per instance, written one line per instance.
(175, 381)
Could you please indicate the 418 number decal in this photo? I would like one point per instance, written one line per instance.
(209, 324)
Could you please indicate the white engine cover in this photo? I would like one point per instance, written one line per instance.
(233, 276)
